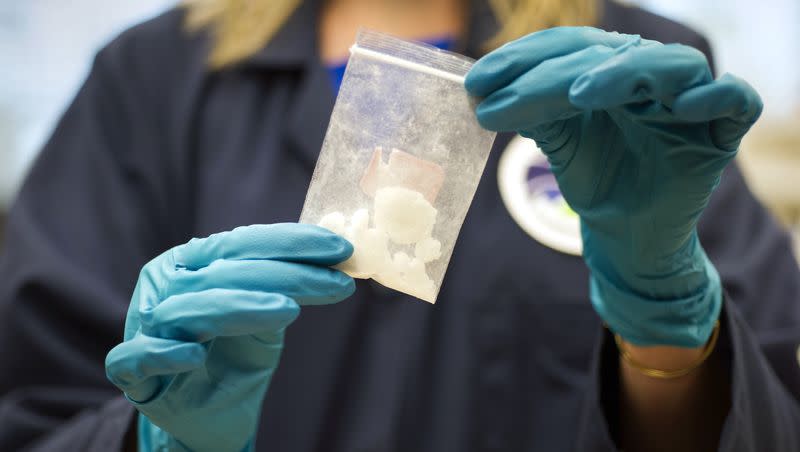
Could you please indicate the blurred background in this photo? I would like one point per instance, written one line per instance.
(46, 48)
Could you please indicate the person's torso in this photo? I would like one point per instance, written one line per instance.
(500, 362)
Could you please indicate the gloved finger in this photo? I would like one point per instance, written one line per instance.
(638, 74)
(540, 95)
(306, 284)
(134, 365)
(202, 316)
(259, 352)
(730, 103)
(292, 242)
(502, 66)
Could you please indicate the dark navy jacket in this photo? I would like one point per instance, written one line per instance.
(156, 150)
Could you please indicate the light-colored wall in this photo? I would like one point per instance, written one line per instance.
(46, 48)
(758, 41)
(770, 158)
(761, 43)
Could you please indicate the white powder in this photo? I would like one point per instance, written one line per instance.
(428, 249)
(405, 215)
(403, 219)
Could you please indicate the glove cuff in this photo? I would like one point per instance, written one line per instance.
(151, 438)
(679, 321)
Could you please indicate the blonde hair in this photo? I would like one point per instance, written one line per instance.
(241, 28)
(517, 18)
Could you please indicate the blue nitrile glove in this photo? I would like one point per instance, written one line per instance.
(637, 134)
(204, 330)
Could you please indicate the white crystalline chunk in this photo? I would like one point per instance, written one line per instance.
(401, 262)
(408, 275)
(428, 249)
(370, 254)
(359, 221)
(370, 247)
(333, 221)
(405, 215)
(417, 277)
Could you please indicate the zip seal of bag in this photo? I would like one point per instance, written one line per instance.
(436, 62)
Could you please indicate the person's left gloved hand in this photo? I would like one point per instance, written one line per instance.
(637, 134)
(205, 330)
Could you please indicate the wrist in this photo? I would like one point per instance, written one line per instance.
(665, 362)
(665, 357)
(684, 412)
(648, 271)
(684, 320)
(151, 438)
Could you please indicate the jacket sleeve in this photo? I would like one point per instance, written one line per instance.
(760, 330)
(91, 212)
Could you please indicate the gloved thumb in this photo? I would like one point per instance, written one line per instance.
(730, 104)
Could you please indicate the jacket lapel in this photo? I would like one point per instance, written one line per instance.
(295, 48)
(308, 117)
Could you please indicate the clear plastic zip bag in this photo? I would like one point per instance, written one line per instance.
(400, 163)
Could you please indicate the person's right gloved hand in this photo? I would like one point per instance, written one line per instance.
(637, 134)
(205, 327)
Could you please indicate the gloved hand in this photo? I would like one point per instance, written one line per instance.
(637, 134)
(205, 327)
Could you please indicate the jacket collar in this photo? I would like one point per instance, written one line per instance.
(295, 48)
(295, 43)
(481, 26)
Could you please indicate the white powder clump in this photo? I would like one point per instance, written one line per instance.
(428, 249)
(405, 215)
(408, 275)
(403, 219)
(359, 222)
(370, 247)
(333, 221)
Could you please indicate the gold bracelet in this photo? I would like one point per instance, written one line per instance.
(668, 374)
